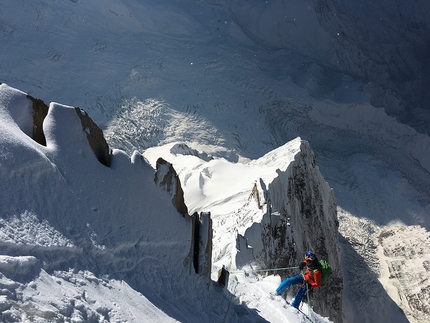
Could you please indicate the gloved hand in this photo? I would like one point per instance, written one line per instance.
(302, 265)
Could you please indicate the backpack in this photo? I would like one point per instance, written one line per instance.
(326, 271)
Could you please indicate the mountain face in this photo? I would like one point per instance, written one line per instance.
(301, 216)
(72, 204)
(73, 210)
(275, 208)
(245, 77)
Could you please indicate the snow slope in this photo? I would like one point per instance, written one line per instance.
(83, 242)
(267, 212)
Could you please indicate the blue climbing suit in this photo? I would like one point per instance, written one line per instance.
(295, 280)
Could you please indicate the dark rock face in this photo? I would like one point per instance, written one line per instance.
(301, 216)
(95, 137)
(315, 224)
(167, 177)
(201, 246)
(200, 255)
(223, 276)
(94, 134)
(40, 110)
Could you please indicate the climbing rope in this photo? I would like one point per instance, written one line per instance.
(262, 270)
(309, 305)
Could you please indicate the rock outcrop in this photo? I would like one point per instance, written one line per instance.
(301, 215)
(96, 140)
(64, 210)
(201, 244)
(200, 256)
(95, 137)
(167, 177)
(40, 110)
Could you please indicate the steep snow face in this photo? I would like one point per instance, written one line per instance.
(62, 209)
(270, 211)
(83, 242)
(224, 188)
(301, 216)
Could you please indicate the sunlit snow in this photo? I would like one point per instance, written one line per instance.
(233, 80)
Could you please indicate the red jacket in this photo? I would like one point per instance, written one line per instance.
(313, 276)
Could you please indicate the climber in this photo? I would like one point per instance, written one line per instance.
(310, 279)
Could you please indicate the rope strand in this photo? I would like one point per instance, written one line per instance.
(309, 305)
(262, 270)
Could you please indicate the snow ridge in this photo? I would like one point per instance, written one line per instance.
(88, 243)
(274, 209)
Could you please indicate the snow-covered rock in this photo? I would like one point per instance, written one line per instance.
(83, 242)
(301, 215)
(244, 77)
(20, 268)
(166, 177)
(62, 209)
(95, 137)
(269, 212)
